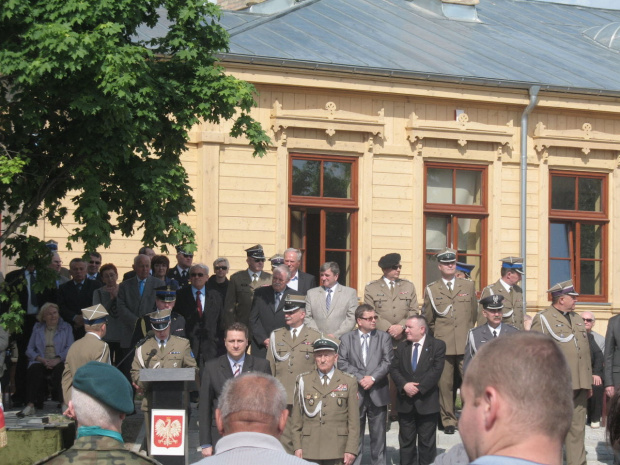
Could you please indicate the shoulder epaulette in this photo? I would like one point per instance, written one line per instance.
(303, 374)
(430, 284)
(348, 374)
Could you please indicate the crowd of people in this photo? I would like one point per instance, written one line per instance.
(338, 363)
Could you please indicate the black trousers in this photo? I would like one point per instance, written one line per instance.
(37, 383)
(595, 404)
(417, 437)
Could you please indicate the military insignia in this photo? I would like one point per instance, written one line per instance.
(380, 294)
(175, 364)
(342, 387)
(333, 394)
(307, 356)
(172, 353)
(462, 295)
(308, 396)
(192, 354)
(311, 402)
(280, 343)
(339, 401)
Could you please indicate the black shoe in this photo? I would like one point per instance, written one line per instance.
(449, 430)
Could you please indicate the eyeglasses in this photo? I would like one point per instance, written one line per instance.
(218, 268)
(370, 318)
(257, 260)
(396, 267)
(94, 262)
(196, 275)
(588, 320)
(188, 255)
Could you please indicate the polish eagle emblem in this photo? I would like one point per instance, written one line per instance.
(168, 431)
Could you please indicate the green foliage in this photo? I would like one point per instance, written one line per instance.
(93, 108)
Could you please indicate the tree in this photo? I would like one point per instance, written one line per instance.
(93, 110)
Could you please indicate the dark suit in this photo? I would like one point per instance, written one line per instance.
(201, 331)
(214, 374)
(417, 415)
(265, 318)
(71, 301)
(612, 352)
(481, 335)
(173, 273)
(372, 402)
(305, 282)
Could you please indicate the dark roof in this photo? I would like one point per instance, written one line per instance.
(515, 44)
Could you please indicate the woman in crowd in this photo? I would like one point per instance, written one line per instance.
(218, 281)
(106, 296)
(160, 265)
(47, 351)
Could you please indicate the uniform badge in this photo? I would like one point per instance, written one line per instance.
(462, 295)
(175, 364)
(339, 401)
(404, 292)
(308, 396)
(307, 356)
(311, 402)
(333, 394)
(342, 388)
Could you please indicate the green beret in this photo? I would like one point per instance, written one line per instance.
(106, 384)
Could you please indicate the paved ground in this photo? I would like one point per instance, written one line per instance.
(133, 431)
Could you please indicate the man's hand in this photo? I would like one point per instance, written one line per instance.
(52, 362)
(395, 331)
(411, 389)
(589, 393)
(348, 458)
(366, 382)
(609, 390)
(596, 380)
(207, 451)
(138, 389)
(299, 453)
(266, 342)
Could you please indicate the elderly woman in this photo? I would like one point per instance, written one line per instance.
(218, 281)
(106, 296)
(160, 265)
(47, 351)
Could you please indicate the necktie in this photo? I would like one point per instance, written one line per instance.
(254, 278)
(494, 333)
(237, 370)
(328, 300)
(33, 295)
(364, 347)
(92, 277)
(278, 297)
(325, 380)
(414, 358)
(198, 304)
(184, 275)
(142, 287)
(79, 286)
(449, 283)
(294, 334)
(392, 287)
(162, 345)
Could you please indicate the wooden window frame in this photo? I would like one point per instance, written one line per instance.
(456, 211)
(577, 218)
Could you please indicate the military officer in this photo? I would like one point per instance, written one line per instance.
(393, 299)
(463, 270)
(492, 308)
(160, 351)
(290, 353)
(568, 330)
(90, 347)
(240, 293)
(325, 422)
(506, 286)
(450, 307)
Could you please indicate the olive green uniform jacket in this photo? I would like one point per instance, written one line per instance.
(82, 351)
(513, 304)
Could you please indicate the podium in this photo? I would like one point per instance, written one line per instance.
(168, 401)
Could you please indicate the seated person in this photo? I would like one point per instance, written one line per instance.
(47, 351)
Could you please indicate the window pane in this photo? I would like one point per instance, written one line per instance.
(591, 240)
(439, 187)
(559, 270)
(306, 178)
(590, 194)
(337, 180)
(559, 241)
(469, 235)
(468, 187)
(338, 230)
(344, 262)
(562, 193)
(436, 233)
(591, 278)
(297, 231)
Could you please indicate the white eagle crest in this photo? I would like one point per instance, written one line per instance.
(168, 431)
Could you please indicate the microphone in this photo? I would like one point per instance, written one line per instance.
(151, 354)
(148, 336)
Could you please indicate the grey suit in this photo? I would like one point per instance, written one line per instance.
(372, 402)
(341, 316)
(131, 306)
(612, 352)
(479, 336)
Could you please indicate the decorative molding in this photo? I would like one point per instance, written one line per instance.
(584, 139)
(330, 119)
(462, 131)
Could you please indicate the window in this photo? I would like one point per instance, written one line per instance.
(578, 232)
(455, 214)
(323, 212)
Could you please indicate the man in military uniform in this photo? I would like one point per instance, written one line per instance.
(569, 332)
(506, 286)
(463, 270)
(450, 307)
(160, 351)
(241, 288)
(90, 347)
(492, 308)
(180, 273)
(325, 421)
(393, 299)
(101, 397)
(290, 353)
